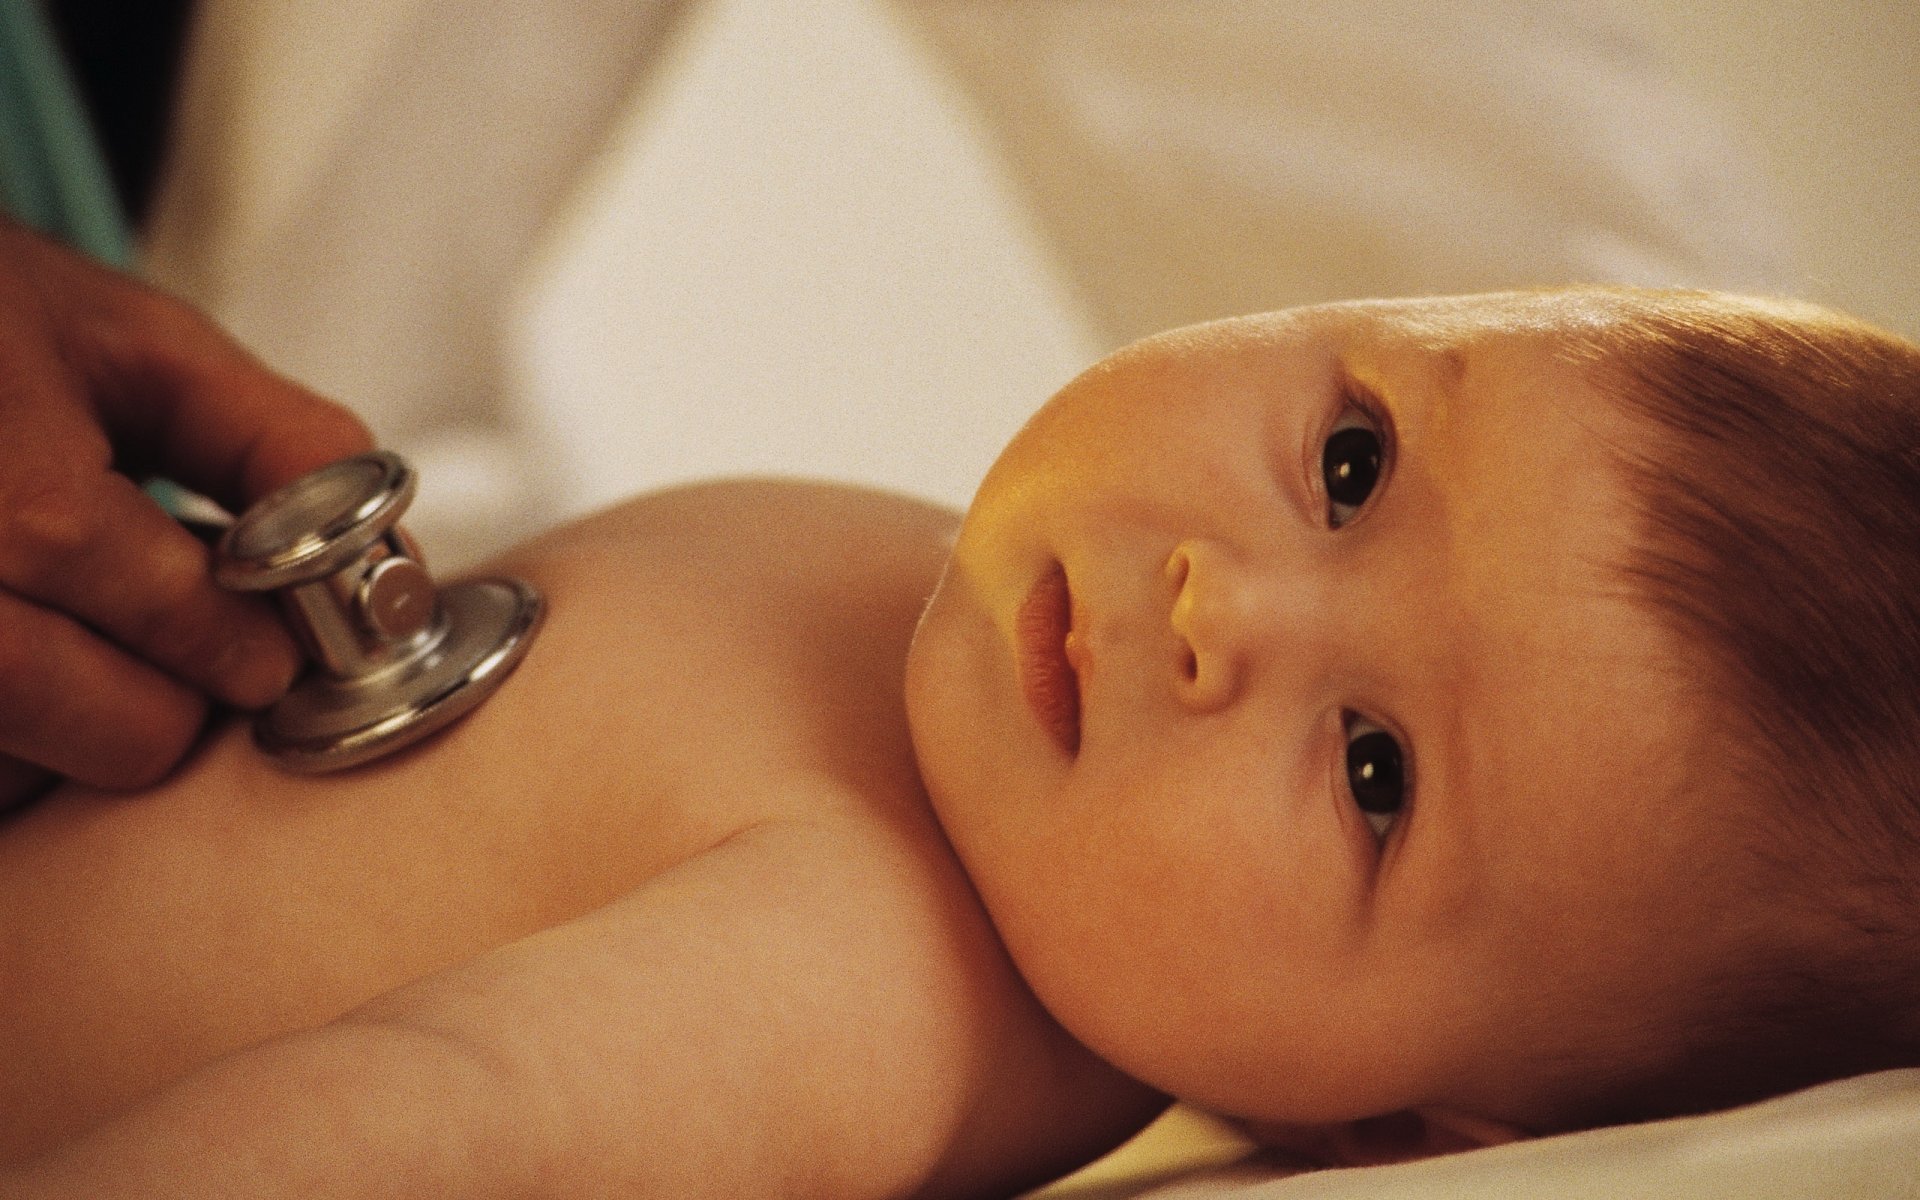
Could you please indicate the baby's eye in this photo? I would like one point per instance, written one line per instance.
(1375, 774)
(1350, 466)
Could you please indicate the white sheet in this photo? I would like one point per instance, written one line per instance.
(1851, 1140)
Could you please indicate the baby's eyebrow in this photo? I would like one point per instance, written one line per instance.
(1447, 371)
(1448, 752)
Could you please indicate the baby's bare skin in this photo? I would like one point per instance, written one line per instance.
(699, 783)
(1341, 775)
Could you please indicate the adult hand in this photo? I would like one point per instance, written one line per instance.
(113, 636)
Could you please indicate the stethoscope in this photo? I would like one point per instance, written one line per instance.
(394, 657)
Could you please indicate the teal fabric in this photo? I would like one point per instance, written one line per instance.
(51, 173)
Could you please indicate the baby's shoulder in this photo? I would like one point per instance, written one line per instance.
(737, 632)
(782, 534)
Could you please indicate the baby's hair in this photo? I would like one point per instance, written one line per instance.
(1779, 501)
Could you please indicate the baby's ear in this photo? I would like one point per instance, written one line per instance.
(1395, 1137)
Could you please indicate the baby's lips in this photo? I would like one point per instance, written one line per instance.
(1048, 680)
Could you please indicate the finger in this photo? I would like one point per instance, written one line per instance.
(105, 553)
(45, 423)
(175, 389)
(80, 707)
(221, 422)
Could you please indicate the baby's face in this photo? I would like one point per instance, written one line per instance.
(1286, 705)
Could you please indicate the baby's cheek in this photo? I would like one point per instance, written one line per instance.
(1096, 948)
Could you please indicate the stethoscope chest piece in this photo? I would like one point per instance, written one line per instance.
(395, 658)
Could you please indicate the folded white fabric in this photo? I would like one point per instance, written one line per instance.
(1856, 1139)
(1199, 159)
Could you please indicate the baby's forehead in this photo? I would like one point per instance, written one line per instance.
(1560, 325)
(1494, 357)
(1484, 314)
(1557, 330)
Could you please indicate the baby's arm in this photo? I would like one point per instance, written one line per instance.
(814, 1007)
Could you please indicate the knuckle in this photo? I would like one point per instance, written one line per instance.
(176, 621)
(136, 309)
(128, 328)
(46, 518)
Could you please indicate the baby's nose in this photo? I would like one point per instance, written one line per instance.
(1209, 624)
(1244, 618)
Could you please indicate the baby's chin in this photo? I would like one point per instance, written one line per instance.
(919, 670)
(920, 689)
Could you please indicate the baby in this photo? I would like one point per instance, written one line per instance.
(1399, 726)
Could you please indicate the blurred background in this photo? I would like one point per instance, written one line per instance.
(559, 253)
(1828, 96)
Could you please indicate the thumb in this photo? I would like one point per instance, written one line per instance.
(181, 397)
